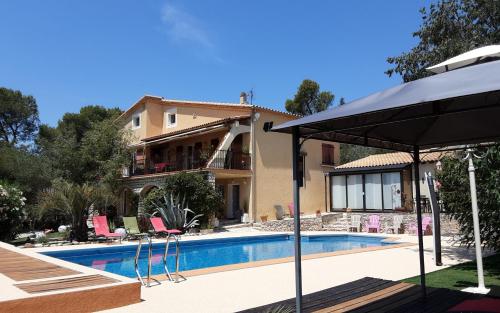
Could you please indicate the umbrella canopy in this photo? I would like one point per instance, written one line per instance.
(452, 108)
(470, 57)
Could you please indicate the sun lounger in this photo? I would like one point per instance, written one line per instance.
(132, 228)
(102, 229)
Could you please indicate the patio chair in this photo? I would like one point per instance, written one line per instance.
(280, 212)
(160, 228)
(355, 223)
(397, 224)
(102, 229)
(132, 228)
(291, 210)
(426, 223)
(373, 223)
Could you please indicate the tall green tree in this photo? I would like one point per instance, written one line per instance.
(309, 99)
(451, 27)
(86, 146)
(18, 117)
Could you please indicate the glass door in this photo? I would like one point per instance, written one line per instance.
(392, 190)
(355, 192)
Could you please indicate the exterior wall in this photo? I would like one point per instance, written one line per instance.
(273, 171)
(188, 115)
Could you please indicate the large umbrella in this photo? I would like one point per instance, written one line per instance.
(452, 108)
(479, 55)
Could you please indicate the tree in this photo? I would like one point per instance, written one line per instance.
(200, 195)
(18, 117)
(449, 28)
(309, 99)
(86, 146)
(74, 201)
(455, 193)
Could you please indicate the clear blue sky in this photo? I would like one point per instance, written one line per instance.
(74, 53)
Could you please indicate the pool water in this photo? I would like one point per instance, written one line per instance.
(196, 254)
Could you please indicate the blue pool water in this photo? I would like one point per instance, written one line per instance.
(211, 252)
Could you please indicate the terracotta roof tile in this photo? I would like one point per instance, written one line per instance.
(391, 159)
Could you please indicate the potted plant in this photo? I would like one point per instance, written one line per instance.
(318, 213)
(263, 218)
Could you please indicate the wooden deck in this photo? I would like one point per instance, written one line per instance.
(19, 267)
(47, 287)
(375, 295)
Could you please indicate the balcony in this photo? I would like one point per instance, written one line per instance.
(220, 159)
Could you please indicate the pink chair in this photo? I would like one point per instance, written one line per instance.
(291, 210)
(373, 223)
(426, 222)
(159, 227)
(102, 229)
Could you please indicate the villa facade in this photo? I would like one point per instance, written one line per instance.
(229, 144)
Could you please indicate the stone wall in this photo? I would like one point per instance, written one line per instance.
(340, 222)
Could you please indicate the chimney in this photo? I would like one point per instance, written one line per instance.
(243, 98)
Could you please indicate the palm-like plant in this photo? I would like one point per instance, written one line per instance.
(174, 211)
(74, 201)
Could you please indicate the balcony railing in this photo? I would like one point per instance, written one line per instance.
(222, 159)
(231, 160)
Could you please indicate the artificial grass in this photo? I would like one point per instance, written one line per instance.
(465, 275)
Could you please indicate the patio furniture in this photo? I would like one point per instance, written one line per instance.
(132, 227)
(280, 212)
(355, 223)
(160, 167)
(102, 229)
(373, 223)
(159, 227)
(291, 210)
(426, 223)
(397, 224)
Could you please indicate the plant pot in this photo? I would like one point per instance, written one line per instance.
(263, 218)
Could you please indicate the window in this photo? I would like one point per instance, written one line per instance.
(355, 192)
(338, 184)
(327, 152)
(171, 117)
(392, 190)
(136, 121)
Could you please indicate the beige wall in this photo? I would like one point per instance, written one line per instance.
(153, 114)
(273, 171)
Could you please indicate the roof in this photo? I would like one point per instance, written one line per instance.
(389, 159)
(452, 108)
(218, 105)
(197, 127)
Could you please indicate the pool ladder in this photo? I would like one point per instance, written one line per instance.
(150, 254)
(136, 260)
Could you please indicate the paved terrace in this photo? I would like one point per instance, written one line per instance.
(31, 282)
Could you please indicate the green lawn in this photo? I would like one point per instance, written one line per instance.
(465, 275)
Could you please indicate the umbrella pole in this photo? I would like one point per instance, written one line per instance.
(475, 219)
(420, 231)
(296, 221)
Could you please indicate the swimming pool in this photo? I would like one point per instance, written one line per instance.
(204, 253)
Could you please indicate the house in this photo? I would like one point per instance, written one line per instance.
(228, 143)
(381, 182)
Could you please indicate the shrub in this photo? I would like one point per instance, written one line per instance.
(11, 211)
(200, 194)
(455, 193)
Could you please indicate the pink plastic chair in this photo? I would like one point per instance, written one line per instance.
(426, 222)
(159, 227)
(291, 210)
(373, 223)
(102, 229)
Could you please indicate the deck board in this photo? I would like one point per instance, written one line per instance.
(65, 283)
(374, 295)
(21, 267)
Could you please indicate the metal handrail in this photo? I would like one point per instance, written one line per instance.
(167, 272)
(136, 260)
